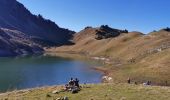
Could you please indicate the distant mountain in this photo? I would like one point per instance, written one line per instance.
(15, 18)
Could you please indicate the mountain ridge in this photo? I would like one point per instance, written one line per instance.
(14, 17)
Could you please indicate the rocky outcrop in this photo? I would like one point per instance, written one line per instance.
(98, 33)
(105, 32)
(166, 29)
(13, 43)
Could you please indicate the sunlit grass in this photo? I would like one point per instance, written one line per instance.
(95, 92)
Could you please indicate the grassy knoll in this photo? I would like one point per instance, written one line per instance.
(155, 68)
(95, 92)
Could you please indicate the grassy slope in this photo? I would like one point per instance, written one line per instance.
(148, 63)
(95, 92)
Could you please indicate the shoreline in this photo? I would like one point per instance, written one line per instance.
(105, 77)
(107, 83)
(104, 72)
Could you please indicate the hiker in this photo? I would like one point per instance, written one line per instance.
(73, 86)
(148, 82)
(71, 82)
(76, 81)
(166, 83)
(128, 80)
(76, 86)
(67, 87)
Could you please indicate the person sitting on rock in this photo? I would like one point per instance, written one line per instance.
(71, 82)
(76, 81)
(67, 87)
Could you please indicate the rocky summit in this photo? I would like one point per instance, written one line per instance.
(105, 32)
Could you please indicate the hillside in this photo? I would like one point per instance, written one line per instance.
(17, 26)
(93, 92)
(15, 16)
(133, 54)
(13, 43)
(86, 42)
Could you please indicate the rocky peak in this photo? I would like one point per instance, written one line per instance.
(166, 29)
(105, 32)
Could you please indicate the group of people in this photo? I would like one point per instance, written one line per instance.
(146, 83)
(74, 82)
(73, 85)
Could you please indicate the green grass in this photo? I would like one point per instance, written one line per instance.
(95, 92)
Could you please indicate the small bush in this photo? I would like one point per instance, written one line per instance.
(48, 95)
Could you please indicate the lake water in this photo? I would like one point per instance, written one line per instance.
(37, 71)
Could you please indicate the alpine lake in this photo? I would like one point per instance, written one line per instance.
(46, 70)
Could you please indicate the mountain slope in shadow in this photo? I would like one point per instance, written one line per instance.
(14, 16)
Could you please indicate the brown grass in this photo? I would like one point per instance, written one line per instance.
(94, 92)
(146, 65)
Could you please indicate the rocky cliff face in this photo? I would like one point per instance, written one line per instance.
(13, 43)
(13, 15)
(20, 30)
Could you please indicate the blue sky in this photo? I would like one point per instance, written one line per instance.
(134, 15)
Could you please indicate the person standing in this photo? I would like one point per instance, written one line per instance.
(128, 80)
